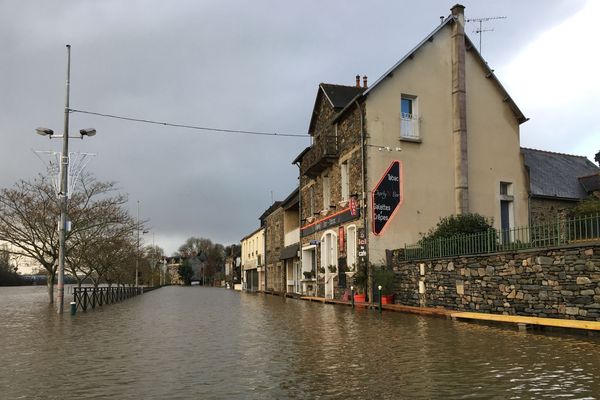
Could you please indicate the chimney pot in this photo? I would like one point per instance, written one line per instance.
(357, 80)
(365, 81)
(458, 11)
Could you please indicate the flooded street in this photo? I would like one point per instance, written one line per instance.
(209, 343)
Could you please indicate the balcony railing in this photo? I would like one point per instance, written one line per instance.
(322, 154)
(409, 126)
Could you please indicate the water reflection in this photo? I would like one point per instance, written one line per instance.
(196, 342)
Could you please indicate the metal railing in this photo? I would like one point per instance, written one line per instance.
(92, 297)
(557, 233)
(409, 126)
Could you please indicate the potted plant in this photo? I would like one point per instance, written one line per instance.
(321, 270)
(360, 281)
(308, 274)
(332, 268)
(385, 278)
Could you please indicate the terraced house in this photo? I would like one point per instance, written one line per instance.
(436, 135)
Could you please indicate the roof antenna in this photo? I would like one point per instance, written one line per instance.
(480, 30)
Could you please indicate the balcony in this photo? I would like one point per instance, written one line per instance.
(291, 237)
(409, 127)
(321, 155)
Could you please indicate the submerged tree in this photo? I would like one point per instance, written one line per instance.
(29, 214)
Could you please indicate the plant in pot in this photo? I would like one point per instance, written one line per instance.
(332, 268)
(360, 280)
(385, 278)
(321, 270)
(308, 274)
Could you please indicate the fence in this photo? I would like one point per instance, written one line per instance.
(560, 232)
(90, 297)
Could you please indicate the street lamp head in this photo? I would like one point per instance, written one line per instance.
(87, 132)
(44, 131)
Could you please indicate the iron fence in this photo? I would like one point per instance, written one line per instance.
(557, 233)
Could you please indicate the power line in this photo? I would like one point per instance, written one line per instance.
(201, 128)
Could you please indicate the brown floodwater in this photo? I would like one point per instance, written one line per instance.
(209, 343)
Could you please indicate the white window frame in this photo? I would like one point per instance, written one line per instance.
(409, 123)
(326, 183)
(329, 250)
(345, 180)
(351, 246)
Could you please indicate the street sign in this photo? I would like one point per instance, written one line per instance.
(387, 197)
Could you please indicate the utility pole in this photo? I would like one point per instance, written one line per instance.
(64, 170)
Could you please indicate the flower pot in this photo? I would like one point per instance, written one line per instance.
(360, 298)
(387, 299)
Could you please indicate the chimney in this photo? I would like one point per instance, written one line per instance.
(458, 11)
(357, 80)
(459, 112)
(365, 81)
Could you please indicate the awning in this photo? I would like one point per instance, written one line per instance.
(289, 252)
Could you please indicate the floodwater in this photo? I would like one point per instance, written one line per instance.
(210, 343)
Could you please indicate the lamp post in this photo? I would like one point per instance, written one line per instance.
(64, 183)
(137, 249)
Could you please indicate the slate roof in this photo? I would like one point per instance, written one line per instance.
(590, 183)
(339, 95)
(557, 175)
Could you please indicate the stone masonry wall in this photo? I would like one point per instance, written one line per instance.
(547, 211)
(555, 283)
(274, 244)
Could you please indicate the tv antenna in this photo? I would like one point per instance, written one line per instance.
(480, 30)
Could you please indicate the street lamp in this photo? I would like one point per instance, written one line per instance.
(64, 182)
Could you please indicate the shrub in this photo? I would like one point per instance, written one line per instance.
(588, 206)
(456, 225)
(385, 278)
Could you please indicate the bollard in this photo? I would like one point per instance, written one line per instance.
(352, 295)
(380, 299)
(73, 308)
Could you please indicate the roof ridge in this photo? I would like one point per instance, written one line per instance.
(553, 152)
(337, 84)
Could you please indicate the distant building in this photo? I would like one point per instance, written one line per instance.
(253, 255)
(557, 183)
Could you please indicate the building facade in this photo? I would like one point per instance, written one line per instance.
(252, 259)
(436, 135)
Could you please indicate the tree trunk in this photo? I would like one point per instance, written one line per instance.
(50, 283)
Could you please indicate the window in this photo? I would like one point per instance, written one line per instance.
(409, 127)
(329, 250)
(345, 181)
(326, 193)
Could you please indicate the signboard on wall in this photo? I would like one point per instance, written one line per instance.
(387, 197)
(343, 216)
(362, 246)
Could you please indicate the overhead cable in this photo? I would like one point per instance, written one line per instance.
(201, 128)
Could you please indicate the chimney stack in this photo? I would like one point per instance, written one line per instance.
(357, 80)
(365, 81)
(458, 12)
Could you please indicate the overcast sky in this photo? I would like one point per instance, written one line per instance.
(254, 66)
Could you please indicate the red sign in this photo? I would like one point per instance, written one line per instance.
(353, 206)
(341, 240)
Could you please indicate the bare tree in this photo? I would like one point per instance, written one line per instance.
(29, 214)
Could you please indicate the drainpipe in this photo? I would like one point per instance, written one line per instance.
(299, 224)
(459, 112)
(364, 194)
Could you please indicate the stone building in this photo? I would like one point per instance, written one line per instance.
(272, 220)
(436, 135)
(557, 183)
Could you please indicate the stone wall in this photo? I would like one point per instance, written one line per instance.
(543, 211)
(555, 283)
(274, 244)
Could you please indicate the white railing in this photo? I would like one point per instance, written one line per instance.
(291, 237)
(409, 126)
